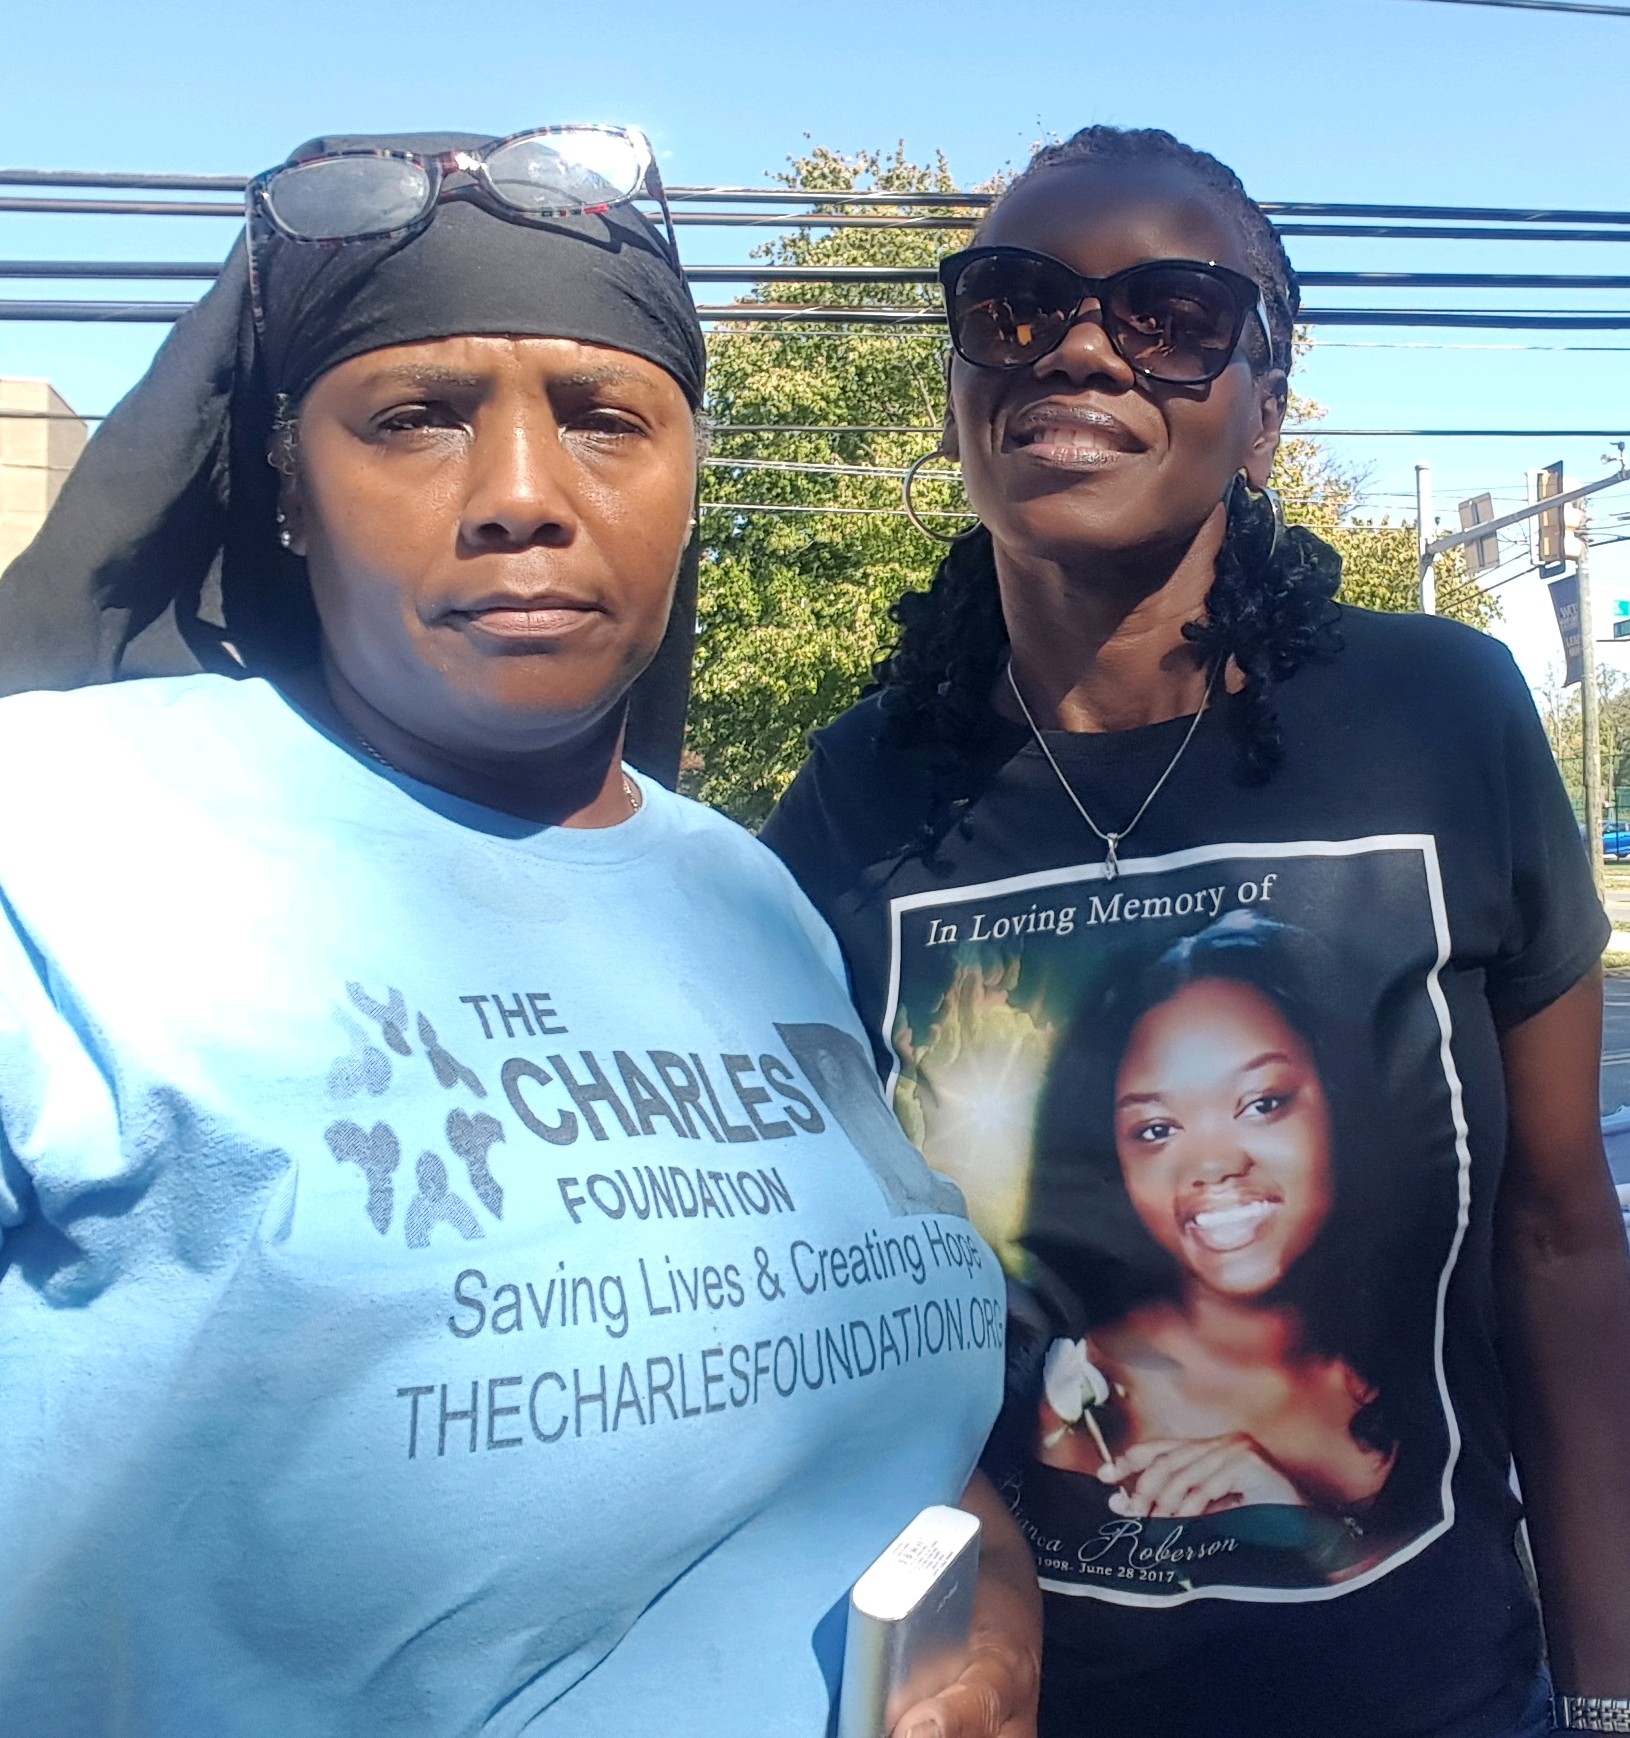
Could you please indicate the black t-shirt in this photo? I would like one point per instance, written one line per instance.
(1235, 1120)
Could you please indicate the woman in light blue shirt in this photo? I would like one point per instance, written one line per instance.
(454, 1277)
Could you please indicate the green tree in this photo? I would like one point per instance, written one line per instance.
(1380, 569)
(794, 601)
(1559, 709)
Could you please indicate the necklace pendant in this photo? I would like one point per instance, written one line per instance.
(1112, 862)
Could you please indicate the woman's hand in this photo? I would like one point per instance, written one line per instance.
(1177, 1480)
(996, 1695)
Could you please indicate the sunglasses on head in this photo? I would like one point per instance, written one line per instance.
(1171, 320)
(375, 194)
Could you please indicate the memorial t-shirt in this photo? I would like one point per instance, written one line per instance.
(1236, 1121)
(456, 1276)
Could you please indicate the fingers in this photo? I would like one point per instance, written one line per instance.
(1183, 1480)
(994, 1698)
(1149, 1467)
(1220, 1480)
(1143, 1454)
(1172, 1486)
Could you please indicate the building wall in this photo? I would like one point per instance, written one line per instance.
(37, 451)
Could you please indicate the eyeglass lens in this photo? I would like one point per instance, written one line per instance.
(337, 197)
(1174, 323)
(573, 169)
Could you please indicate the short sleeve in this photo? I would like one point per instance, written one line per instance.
(1555, 926)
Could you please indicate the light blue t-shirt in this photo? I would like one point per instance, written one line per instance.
(456, 1276)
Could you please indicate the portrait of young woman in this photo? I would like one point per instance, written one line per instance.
(413, 1200)
(1244, 1365)
(1314, 1294)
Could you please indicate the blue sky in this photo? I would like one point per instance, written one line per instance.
(1342, 100)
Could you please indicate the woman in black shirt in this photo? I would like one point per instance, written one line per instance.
(1127, 714)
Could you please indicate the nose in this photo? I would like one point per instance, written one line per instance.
(1086, 353)
(518, 494)
(1215, 1157)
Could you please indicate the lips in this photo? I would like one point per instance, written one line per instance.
(513, 616)
(1225, 1225)
(1079, 436)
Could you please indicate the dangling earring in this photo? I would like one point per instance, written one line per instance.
(1243, 498)
(911, 512)
(284, 535)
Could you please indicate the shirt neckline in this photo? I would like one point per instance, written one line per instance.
(622, 843)
(1104, 747)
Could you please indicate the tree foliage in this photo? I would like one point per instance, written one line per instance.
(1560, 710)
(794, 601)
(1379, 565)
(794, 605)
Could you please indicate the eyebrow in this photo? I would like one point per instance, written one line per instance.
(429, 377)
(1133, 1098)
(612, 374)
(426, 375)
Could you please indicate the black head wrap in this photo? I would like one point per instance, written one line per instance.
(160, 556)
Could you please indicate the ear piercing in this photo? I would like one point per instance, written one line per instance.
(284, 535)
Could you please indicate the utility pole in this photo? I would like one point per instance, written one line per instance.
(1590, 721)
(1425, 525)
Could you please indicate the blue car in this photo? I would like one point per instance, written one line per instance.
(1616, 842)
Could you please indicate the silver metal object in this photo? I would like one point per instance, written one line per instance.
(1591, 1713)
(909, 1620)
(1112, 841)
(911, 512)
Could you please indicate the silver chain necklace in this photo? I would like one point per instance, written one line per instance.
(1112, 841)
(632, 794)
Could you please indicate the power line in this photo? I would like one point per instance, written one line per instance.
(1519, 229)
(780, 313)
(1314, 431)
(1417, 344)
(1294, 430)
(839, 208)
(754, 272)
(814, 468)
(843, 512)
(1544, 6)
(977, 199)
(899, 512)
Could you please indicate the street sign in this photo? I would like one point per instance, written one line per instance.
(1482, 553)
(1621, 618)
(1565, 601)
(1549, 531)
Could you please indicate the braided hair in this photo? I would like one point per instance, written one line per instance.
(1269, 608)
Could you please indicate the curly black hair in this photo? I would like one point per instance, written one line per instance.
(1270, 604)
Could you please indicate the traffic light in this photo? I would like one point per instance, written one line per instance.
(1549, 531)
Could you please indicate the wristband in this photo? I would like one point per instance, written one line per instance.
(1591, 1713)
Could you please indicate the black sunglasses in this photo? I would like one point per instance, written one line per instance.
(1173, 320)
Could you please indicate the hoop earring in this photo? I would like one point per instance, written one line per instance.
(1255, 500)
(911, 512)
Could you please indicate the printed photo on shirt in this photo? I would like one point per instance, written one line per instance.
(1208, 1114)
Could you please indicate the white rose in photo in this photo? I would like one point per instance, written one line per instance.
(1071, 1381)
(1073, 1385)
